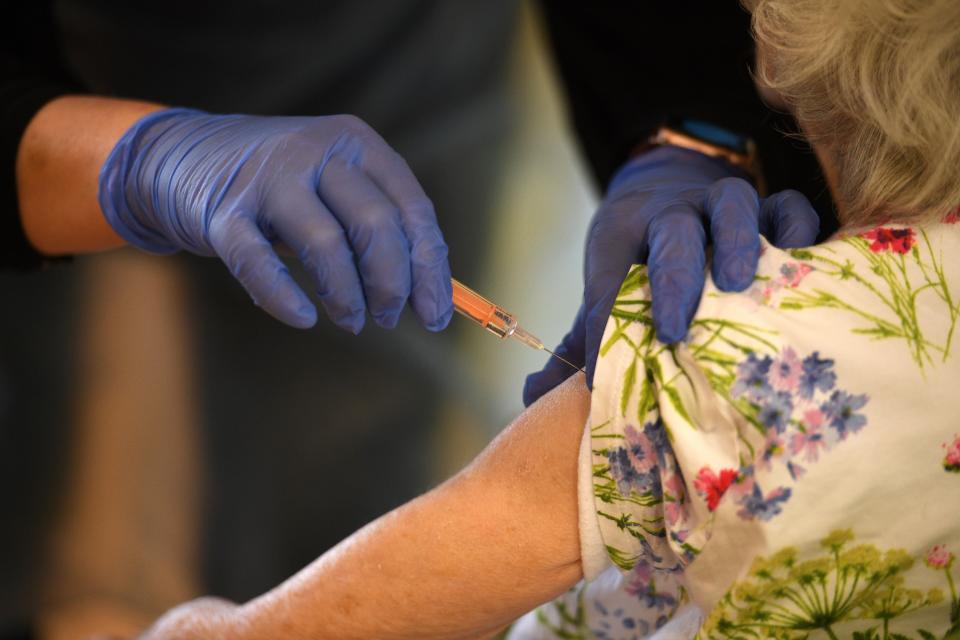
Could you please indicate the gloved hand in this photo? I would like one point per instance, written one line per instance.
(328, 187)
(657, 210)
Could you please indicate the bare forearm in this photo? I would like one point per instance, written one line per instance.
(113, 565)
(466, 559)
(58, 166)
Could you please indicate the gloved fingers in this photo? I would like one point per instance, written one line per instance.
(676, 264)
(732, 206)
(555, 371)
(432, 296)
(302, 221)
(432, 288)
(788, 220)
(250, 258)
(378, 240)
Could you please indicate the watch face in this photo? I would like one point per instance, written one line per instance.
(709, 132)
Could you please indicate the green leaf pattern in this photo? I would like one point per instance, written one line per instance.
(847, 590)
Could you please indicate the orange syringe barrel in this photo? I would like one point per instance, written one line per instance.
(485, 313)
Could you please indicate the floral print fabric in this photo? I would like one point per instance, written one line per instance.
(792, 469)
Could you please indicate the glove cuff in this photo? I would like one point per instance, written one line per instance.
(128, 211)
(714, 141)
(669, 163)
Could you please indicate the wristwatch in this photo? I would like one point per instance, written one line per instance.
(711, 140)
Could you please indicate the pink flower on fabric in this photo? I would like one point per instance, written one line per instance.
(889, 239)
(810, 442)
(785, 371)
(772, 448)
(951, 462)
(673, 486)
(761, 294)
(674, 508)
(938, 557)
(793, 273)
(742, 486)
(953, 216)
(813, 418)
(642, 573)
(674, 513)
(642, 454)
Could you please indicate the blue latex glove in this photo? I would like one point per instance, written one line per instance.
(658, 210)
(329, 188)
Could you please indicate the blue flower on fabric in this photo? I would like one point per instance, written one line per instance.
(776, 410)
(796, 471)
(817, 374)
(652, 599)
(776, 387)
(629, 478)
(640, 450)
(841, 409)
(752, 378)
(654, 488)
(649, 555)
(755, 505)
(643, 585)
(615, 624)
(773, 449)
(658, 436)
(626, 476)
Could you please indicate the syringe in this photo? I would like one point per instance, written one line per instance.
(495, 319)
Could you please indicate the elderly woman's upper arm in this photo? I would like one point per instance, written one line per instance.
(528, 478)
(463, 560)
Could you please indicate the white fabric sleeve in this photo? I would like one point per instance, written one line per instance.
(593, 553)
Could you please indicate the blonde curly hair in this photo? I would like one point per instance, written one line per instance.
(875, 84)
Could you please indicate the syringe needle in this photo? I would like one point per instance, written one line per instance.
(496, 320)
(564, 360)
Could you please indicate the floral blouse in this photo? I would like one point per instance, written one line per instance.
(792, 469)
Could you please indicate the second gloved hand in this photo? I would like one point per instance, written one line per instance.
(329, 188)
(659, 210)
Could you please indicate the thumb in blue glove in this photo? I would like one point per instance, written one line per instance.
(327, 187)
(663, 224)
